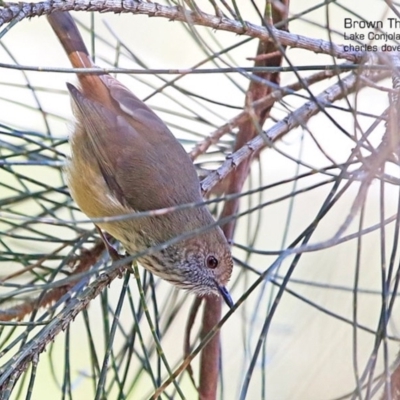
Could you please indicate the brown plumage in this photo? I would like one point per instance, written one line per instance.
(125, 159)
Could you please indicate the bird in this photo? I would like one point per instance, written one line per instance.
(124, 160)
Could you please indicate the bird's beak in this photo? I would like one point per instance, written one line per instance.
(225, 295)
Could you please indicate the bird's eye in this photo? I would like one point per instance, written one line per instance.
(212, 262)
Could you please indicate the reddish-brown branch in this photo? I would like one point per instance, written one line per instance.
(209, 359)
(209, 364)
(394, 385)
(189, 325)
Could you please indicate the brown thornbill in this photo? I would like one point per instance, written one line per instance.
(124, 159)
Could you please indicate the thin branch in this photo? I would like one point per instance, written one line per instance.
(18, 364)
(296, 118)
(257, 106)
(18, 11)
